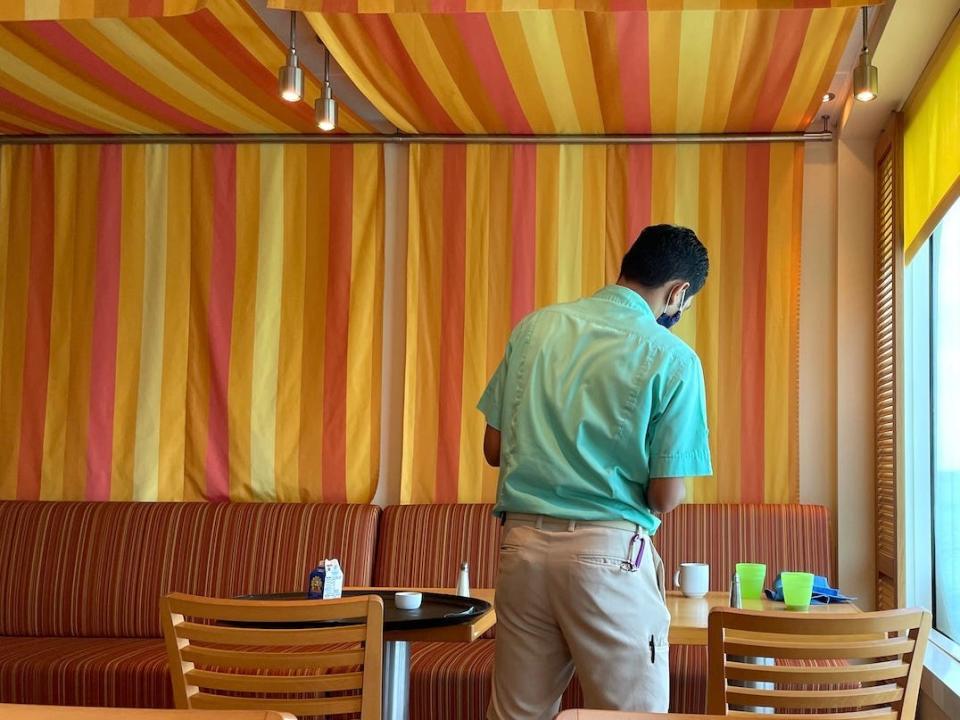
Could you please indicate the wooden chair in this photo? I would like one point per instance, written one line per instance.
(878, 678)
(306, 657)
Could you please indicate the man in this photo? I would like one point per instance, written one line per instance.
(595, 417)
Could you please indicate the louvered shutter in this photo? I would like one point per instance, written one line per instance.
(888, 318)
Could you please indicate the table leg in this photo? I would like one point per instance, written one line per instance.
(753, 684)
(396, 680)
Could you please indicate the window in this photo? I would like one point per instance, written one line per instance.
(932, 419)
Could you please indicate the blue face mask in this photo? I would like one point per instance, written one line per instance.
(668, 321)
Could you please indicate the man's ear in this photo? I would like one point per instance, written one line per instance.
(678, 296)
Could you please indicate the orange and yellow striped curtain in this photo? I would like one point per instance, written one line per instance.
(497, 231)
(189, 322)
(598, 73)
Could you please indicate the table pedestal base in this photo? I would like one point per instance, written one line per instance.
(396, 680)
(752, 684)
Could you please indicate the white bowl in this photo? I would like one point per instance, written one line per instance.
(407, 600)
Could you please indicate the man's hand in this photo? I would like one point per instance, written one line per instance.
(491, 446)
(663, 494)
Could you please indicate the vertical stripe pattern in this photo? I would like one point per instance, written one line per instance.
(569, 213)
(156, 294)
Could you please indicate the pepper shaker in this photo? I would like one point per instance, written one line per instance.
(735, 600)
(463, 581)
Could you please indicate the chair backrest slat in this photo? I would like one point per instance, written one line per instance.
(306, 657)
(804, 650)
(863, 623)
(266, 636)
(815, 699)
(240, 610)
(271, 661)
(868, 672)
(854, 715)
(330, 706)
(273, 683)
(857, 666)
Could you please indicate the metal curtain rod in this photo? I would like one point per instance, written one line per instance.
(405, 139)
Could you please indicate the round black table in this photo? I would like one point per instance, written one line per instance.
(436, 610)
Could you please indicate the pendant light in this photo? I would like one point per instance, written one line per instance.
(290, 76)
(325, 107)
(865, 73)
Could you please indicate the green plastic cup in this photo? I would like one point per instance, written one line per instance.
(797, 589)
(751, 580)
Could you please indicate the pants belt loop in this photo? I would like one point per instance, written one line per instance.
(539, 522)
(571, 525)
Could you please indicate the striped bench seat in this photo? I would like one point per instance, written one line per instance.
(100, 672)
(81, 584)
(423, 546)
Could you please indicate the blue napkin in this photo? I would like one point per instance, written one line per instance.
(823, 594)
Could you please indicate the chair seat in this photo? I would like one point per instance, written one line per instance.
(104, 672)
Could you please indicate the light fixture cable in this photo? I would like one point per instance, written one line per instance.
(866, 29)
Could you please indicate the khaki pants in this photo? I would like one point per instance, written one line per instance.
(569, 596)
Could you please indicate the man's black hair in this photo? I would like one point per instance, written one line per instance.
(666, 252)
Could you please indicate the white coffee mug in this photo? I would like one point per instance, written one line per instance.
(693, 579)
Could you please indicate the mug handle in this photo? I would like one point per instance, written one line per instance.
(676, 578)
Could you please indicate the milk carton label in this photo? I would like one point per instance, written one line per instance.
(333, 580)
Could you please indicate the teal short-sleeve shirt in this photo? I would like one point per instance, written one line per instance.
(592, 399)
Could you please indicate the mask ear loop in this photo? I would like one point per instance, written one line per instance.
(683, 299)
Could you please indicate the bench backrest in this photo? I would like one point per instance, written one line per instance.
(97, 569)
(423, 545)
(784, 537)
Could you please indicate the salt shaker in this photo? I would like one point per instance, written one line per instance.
(735, 600)
(463, 581)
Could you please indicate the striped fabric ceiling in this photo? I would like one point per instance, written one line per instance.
(212, 71)
(576, 72)
(483, 6)
(86, 9)
(451, 66)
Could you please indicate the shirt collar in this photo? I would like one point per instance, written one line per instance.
(624, 296)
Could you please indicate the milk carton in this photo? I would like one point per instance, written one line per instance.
(325, 581)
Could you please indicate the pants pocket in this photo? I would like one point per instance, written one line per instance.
(660, 654)
(600, 560)
(661, 574)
